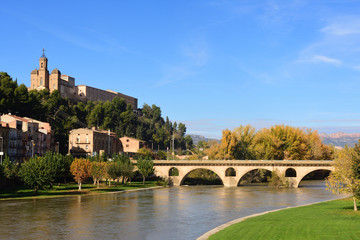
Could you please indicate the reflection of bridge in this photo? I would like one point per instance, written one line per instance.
(293, 170)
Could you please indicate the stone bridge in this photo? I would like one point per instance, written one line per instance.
(293, 170)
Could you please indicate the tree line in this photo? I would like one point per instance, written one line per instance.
(41, 172)
(279, 142)
(64, 114)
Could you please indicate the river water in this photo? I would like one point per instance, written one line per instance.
(184, 212)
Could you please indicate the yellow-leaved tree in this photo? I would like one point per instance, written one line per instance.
(81, 169)
(346, 176)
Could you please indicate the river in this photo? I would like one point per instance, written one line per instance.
(184, 212)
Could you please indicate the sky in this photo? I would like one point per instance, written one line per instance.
(212, 64)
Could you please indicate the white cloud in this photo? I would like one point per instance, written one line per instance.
(324, 59)
(343, 26)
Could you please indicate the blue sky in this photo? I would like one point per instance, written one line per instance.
(210, 64)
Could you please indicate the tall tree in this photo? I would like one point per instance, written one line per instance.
(346, 176)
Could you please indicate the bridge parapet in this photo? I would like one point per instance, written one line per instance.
(243, 162)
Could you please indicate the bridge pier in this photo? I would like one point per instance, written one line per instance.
(230, 181)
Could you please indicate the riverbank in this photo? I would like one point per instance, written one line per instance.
(71, 189)
(334, 219)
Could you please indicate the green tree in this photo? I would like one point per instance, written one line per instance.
(113, 171)
(59, 164)
(11, 170)
(146, 167)
(37, 173)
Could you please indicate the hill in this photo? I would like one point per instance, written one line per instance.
(197, 138)
(340, 139)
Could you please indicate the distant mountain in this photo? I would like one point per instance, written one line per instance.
(340, 139)
(197, 138)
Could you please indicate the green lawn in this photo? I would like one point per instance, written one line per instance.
(68, 189)
(329, 220)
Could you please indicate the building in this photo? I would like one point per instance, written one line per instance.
(88, 142)
(26, 137)
(4, 143)
(131, 145)
(42, 79)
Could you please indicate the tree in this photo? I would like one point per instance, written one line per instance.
(37, 173)
(10, 169)
(346, 176)
(113, 171)
(81, 169)
(277, 180)
(126, 167)
(245, 141)
(59, 164)
(145, 153)
(146, 167)
(98, 171)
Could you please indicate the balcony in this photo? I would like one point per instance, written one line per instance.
(83, 142)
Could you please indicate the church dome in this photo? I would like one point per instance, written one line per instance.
(55, 71)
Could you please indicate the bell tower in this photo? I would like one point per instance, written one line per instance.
(43, 77)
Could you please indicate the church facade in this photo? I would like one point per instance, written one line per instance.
(42, 79)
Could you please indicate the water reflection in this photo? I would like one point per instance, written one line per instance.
(169, 213)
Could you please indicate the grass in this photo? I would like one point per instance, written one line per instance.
(69, 189)
(329, 220)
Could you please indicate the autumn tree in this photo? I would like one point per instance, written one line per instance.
(98, 171)
(346, 175)
(244, 136)
(81, 169)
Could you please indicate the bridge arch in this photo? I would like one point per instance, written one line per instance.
(290, 172)
(183, 174)
(305, 173)
(250, 169)
(173, 172)
(230, 172)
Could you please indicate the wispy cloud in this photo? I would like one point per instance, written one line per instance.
(342, 26)
(173, 74)
(194, 55)
(322, 59)
(339, 37)
(198, 55)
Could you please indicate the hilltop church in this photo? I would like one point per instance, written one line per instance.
(41, 79)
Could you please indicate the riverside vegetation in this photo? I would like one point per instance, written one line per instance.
(48, 175)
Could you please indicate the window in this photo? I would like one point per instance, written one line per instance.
(78, 139)
(42, 65)
(41, 81)
(86, 147)
(127, 145)
(33, 86)
(127, 140)
(54, 86)
(87, 139)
